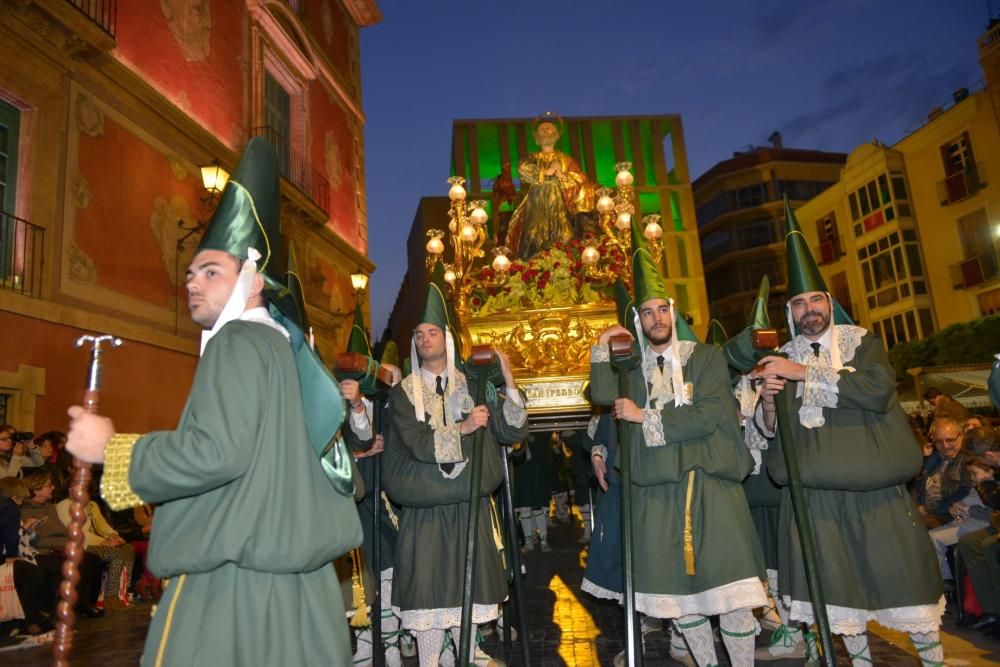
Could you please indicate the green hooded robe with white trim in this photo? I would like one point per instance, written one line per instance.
(247, 520)
(856, 452)
(694, 450)
(426, 470)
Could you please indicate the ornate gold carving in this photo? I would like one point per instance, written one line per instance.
(546, 343)
(81, 267)
(190, 22)
(89, 118)
(549, 395)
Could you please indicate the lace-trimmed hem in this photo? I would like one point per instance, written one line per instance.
(742, 594)
(515, 414)
(442, 619)
(448, 444)
(587, 586)
(850, 621)
(821, 387)
(652, 428)
(600, 354)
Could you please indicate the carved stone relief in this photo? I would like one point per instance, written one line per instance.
(163, 223)
(190, 22)
(81, 267)
(81, 191)
(89, 118)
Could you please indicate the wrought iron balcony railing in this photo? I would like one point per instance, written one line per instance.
(104, 13)
(962, 184)
(975, 270)
(22, 255)
(296, 168)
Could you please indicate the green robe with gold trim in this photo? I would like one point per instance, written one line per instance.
(426, 470)
(673, 442)
(875, 557)
(247, 523)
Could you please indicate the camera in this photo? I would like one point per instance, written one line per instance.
(22, 436)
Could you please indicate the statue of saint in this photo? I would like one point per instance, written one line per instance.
(558, 192)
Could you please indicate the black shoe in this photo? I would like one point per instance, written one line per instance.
(89, 611)
(986, 621)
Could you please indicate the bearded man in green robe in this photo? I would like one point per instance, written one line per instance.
(695, 550)
(432, 421)
(253, 503)
(856, 452)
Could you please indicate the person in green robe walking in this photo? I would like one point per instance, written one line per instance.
(252, 503)
(856, 452)
(695, 551)
(432, 421)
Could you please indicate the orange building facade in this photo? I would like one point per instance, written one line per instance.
(108, 111)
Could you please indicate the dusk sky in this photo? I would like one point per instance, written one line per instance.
(827, 76)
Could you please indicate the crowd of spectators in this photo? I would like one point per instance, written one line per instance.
(958, 495)
(34, 515)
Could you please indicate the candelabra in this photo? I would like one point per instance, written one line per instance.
(467, 234)
(615, 209)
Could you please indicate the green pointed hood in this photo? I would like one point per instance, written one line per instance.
(248, 212)
(290, 299)
(684, 330)
(436, 309)
(739, 350)
(646, 280)
(390, 354)
(803, 273)
(624, 308)
(358, 340)
(716, 333)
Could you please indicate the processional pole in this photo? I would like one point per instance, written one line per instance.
(622, 361)
(514, 561)
(79, 493)
(767, 339)
(481, 362)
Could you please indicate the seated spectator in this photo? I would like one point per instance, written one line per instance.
(16, 455)
(104, 542)
(48, 536)
(48, 446)
(944, 480)
(35, 588)
(134, 525)
(970, 514)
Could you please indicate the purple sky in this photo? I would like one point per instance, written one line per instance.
(828, 76)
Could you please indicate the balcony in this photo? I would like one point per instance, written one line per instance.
(103, 13)
(990, 40)
(976, 270)
(22, 246)
(296, 168)
(962, 184)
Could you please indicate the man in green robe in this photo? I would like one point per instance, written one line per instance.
(695, 551)
(432, 421)
(856, 452)
(249, 515)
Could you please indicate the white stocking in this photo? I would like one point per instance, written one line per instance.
(739, 628)
(857, 649)
(524, 516)
(928, 645)
(541, 524)
(697, 632)
(429, 644)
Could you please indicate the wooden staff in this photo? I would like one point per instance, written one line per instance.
(623, 360)
(79, 492)
(480, 363)
(767, 339)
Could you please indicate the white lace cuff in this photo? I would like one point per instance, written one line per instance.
(821, 389)
(513, 411)
(599, 450)
(448, 444)
(360, 424)
(758, 422)
(652, 428)
(600, 354)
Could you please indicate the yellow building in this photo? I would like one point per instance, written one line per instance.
(909, 236)
(740, 218)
